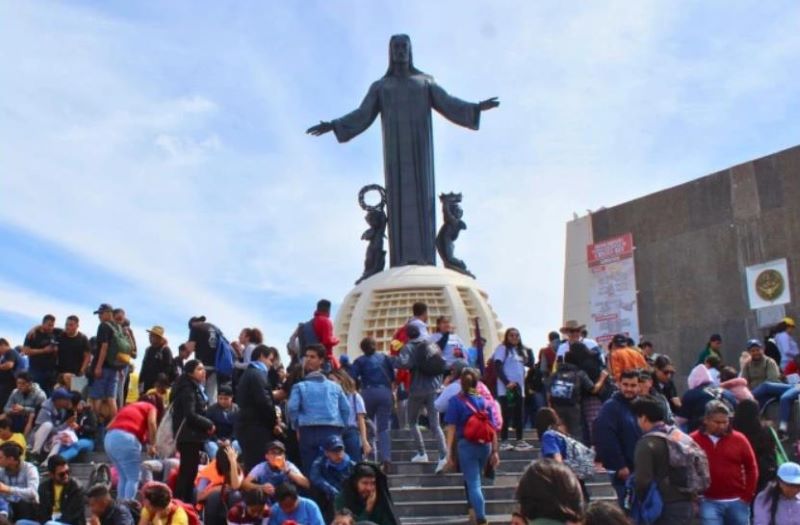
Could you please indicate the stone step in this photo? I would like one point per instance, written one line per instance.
(514, 466)
(438, 513)
(431, 443)
(406, 455)
(494, 492)
(493, 519)
(442, 480)
(528, 434)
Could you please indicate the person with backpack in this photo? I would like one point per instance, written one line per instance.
(107, 362)
(510, 359)
(559, 446)
(375, 375)
(653, 464)
(779, 502)
(733, 468)
(568, 386)
(470, 428)
(190, 425)
(701, 391)
(132, 427)
(211, 348)
(160, 508)
(426, 363)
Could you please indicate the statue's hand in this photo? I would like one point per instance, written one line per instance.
(489, 103)
(320, 129)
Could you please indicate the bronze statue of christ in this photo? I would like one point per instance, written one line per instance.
(404, 97)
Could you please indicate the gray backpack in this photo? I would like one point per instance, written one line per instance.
(580, 458)
(688, 464)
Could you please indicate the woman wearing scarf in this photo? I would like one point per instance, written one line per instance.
(701, 391)
(190, 426)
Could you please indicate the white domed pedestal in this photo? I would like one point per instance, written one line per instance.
(378, 306)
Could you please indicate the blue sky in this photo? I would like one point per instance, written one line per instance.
(152, 154)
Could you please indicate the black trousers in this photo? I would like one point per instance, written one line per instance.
(513, 412)
(253, 439)
(190, 462)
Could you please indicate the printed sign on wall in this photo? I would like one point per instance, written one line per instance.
(612, 294)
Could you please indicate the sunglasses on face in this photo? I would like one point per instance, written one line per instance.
(63, 473)
(668, 372)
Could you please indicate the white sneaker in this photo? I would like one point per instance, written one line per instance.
(440, 465)
(523, 446)
(420, 458)
(505, 445)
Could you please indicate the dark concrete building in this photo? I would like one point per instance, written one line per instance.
(692, 245)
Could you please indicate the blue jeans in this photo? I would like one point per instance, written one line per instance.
(31, 522)
(379, 402)
(352, 443)
(619, 489)
(71, 452)
(312, 439)
(125, 451)
(472, 459)
(212, 447)
(724, 513)
(786, 393)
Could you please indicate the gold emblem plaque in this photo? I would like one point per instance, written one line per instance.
(770, 285)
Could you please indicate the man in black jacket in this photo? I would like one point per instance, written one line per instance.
(157, 360)
(61, 498)
(256, 424)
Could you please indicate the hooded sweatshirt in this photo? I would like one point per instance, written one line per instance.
(738, 387)
(693, 402)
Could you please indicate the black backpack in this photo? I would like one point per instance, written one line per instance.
(564, 388)
(429, 359)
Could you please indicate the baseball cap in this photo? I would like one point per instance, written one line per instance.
(753, 343)
(789, 321)
(333, 443)
(789, 473)
(61, 393)
(276, 445)
(715, 337)
(104, 307)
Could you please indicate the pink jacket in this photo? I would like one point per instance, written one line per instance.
(493, 405)
(738, 387)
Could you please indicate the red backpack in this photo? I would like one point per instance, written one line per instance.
(478, 428)
(191, 513)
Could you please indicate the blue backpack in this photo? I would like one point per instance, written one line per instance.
(223, 362)
(647, 510)
(307, 335)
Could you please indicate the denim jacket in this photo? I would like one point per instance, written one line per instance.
(317, 401)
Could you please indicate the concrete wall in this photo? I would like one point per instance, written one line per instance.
(576, 271)
(693, 243)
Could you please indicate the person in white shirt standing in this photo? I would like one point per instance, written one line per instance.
(510, 360)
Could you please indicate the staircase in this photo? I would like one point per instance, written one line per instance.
(422, 497)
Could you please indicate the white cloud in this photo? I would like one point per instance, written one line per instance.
(172, 152)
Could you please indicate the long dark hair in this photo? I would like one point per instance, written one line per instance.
(546, 419)
(773, 497)
(520, 348)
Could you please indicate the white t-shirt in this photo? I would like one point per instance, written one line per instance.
(563, 348)
(356, 403)
(513, 368)
(449, 351)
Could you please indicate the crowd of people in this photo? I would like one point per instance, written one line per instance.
(225, 432)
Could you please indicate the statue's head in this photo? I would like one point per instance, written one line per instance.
(400, 53)
(452, 202)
